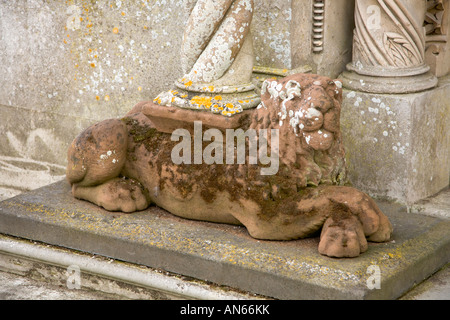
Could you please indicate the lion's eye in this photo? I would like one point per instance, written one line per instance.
(312, 120)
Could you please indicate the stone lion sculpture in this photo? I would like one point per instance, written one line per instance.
(125, 165)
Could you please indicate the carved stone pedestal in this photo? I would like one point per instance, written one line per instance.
(395, 114)
(397, 145)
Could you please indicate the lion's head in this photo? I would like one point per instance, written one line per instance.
(306, 110)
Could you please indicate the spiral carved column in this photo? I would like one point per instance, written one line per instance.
(389, 48)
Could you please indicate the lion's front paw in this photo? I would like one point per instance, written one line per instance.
(342, 238)
(347, 200)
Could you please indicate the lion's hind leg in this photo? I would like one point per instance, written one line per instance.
(95, 161)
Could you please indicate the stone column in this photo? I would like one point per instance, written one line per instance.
(389, 48)
(217, 59)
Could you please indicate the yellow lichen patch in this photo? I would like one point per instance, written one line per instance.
(228, 110)
(218, 98)
(97, 98)
(93, 65)
(188, 83)
(157, 100)
(211, 88)
(201, 101)
(115, 30)
(106, 98)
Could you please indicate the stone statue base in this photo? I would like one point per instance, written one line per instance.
(225, 101)
(227, 255)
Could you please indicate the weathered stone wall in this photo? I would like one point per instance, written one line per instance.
(87, 58)
(67, 64)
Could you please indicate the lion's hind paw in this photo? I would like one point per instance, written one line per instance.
(118, 194)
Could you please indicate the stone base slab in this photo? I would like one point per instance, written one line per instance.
(227, 255)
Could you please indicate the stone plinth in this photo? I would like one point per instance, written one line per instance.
(226, 254)
(398, 145)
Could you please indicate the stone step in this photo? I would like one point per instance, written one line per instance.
(227, 255)
(37, 271)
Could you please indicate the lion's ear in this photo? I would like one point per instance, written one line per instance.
(336, 86)
(270, 89)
